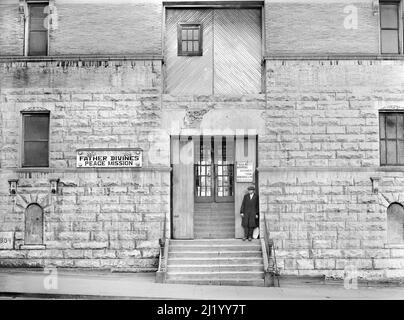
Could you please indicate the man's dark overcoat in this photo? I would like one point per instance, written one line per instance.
(250, 208)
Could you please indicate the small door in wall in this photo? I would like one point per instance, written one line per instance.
(33, 224)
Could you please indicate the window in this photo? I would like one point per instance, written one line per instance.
(395, 223)
(37, 29)
(189, 40)
(391, 138)
(390, 27)
(36, 139)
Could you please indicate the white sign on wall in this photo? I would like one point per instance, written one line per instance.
(244, 171)
(6, 240)
(109, 158)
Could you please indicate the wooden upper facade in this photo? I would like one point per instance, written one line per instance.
(139, 27)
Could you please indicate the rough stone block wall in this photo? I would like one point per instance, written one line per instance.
(104, 218)
(316, 160)
(317, 27)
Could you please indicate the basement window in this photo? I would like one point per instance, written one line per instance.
(35, 139)
(189, 39)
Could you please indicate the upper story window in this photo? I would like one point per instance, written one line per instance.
(189, 39)
(391, 138)
(390, 27)
(37, 33)
(35, 140)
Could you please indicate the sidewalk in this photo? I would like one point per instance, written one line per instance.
(85, 284)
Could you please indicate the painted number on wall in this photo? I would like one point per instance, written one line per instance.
(6, 240)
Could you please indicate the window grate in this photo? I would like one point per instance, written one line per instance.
(391, 126)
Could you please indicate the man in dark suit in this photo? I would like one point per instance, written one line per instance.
(249, 213)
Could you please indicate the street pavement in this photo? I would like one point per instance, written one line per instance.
(78, 284)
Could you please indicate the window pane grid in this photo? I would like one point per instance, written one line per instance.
(391, 138)
(189, 40)
(389, 28)
(36, 140)
(37, 33)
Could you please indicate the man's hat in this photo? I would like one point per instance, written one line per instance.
(251, 188)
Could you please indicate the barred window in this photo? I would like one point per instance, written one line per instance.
(36, 140)
(189, 40)
(391, 138)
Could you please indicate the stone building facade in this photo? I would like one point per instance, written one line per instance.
(315, 86)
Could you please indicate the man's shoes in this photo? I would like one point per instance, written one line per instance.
(244, 239)
(249, 239)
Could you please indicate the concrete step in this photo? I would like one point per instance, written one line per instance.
(215, 268)
(215, 254)
(215, 248)
(214, 242)
(218, 220)
(215, 261)
(218, 231)
(213, 227)
(221, 282)
(206, 235)
(208, 275)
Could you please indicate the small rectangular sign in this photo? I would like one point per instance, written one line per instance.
(6, 241)
(245, 171)
(109, 158)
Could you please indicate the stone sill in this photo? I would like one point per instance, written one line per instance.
(83, 57)
(335, 57)
(337, 169)
(391, 169)
(394, 246)
(32, 247)
(61, 170)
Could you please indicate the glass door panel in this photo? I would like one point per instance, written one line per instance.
(214, 169)
(224, 168)
(203, 170)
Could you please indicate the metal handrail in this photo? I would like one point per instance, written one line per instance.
(163, 242)
(270, 253)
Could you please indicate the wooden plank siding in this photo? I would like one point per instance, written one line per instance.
(231, 60)
(237, 51)
(189, 75)
(182, 157)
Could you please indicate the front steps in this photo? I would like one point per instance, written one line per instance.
(215, 261)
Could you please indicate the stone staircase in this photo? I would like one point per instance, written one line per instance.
(216, 262)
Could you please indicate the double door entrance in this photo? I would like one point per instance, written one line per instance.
(214, 187)
(206, 194)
